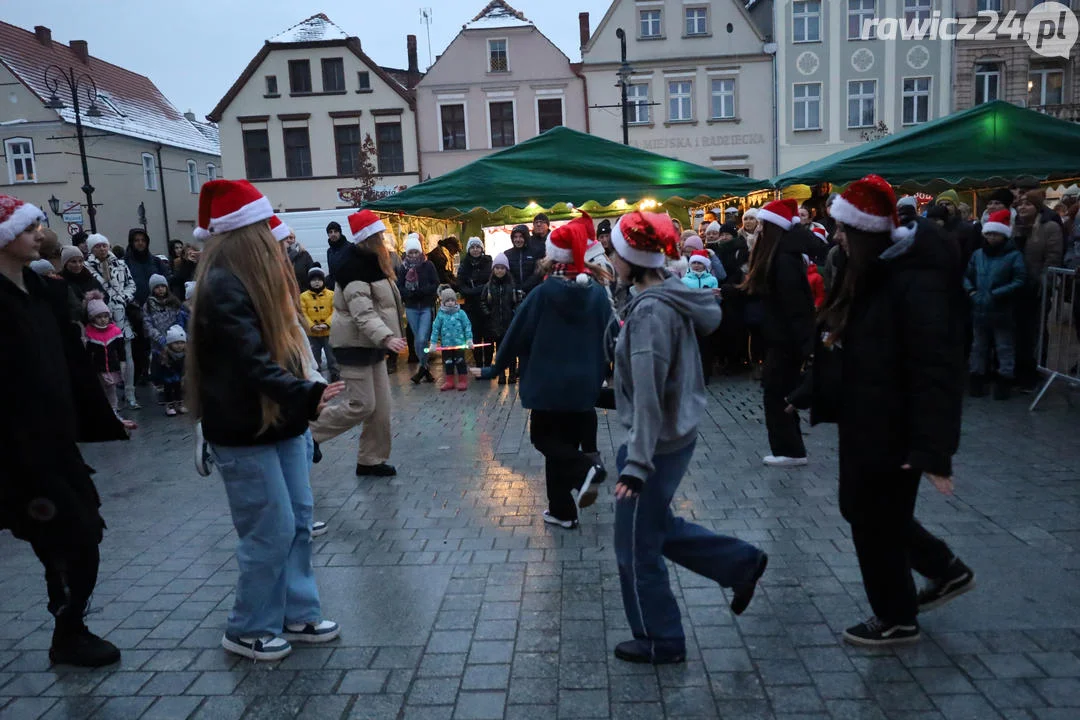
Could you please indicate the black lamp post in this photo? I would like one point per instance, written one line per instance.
(624, 73)
(74, 83)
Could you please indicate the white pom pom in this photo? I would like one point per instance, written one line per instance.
(201, 234)
(583, 279)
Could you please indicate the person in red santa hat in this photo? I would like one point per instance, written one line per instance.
(557, 335)
(889, 370)
(246, 380)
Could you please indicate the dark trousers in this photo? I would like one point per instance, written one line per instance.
(454, 360)
(512, 365)
(482, 356)
(889, 541)
(563, 438)
(779, 378)
(174, 392)
(732, 336)
(707, 345)
(411, 339)
(1029, 317)
(140, 348)
(71, 570)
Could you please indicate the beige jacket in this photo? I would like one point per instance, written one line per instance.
(366, 314)
(1044, 248)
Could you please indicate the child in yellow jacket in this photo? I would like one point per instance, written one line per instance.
(317, 305)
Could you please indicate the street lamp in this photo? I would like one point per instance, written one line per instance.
(54, 205)
(75, 83)
(625, 72)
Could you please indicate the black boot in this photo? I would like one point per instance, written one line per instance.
(978, 386)
(428, 377)
(316, 454)
(79, 647)
(1002, 389)
(418, 376)
(502, 378)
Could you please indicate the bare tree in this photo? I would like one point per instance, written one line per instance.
(877, 132)
(366, 174)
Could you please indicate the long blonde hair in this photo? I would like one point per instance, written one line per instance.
(255, 258)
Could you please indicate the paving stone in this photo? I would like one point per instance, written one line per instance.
(480, 705)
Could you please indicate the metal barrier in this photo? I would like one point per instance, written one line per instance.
(1058, 348)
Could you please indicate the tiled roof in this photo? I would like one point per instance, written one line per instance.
(497, 14)
(315, 28)
(401, 77)
(130, 103)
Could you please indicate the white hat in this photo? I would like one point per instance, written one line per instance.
(713, 227)
(95, 240)
(156, 280)
(412, 242)
(1073, 190)
(732, 211)
(474, 241)
(175, 334)
(189, 289)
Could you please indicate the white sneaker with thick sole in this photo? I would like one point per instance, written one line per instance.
(565, 524)
(318, 527)
(266, 648)
(203, 463)
(320, 632)
(781, 461)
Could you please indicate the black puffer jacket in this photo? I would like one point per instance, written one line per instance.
(473, 274)
(236, 370)
(734, 256)
(143, 264)
(498, 300)
(788, 323)
(81, 284)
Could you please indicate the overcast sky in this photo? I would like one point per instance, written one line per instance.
(195, 50)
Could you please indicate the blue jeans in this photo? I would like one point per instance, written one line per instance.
(271, 504)
(419, 320)
(997, 332)
(646, 531)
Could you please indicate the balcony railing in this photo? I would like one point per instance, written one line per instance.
(1070, 112)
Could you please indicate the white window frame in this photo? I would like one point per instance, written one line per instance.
(983, 78)
(553, 96)
(506, 51)
(150, 172)
(637, 108)
(921, 10)
(1044, 73)
(704, 21)
(211, 171)
(858, 9)
(917, 97)
(688, 96)
(193, 177)
(12, 156)
(805, 102)
(862, 97)
(713, 94)
(465, 108)
(659, 23)
(805, 15)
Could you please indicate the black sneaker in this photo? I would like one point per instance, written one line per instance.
(512, 380)
(876, 633)
(744, 593)
(316, 454)
(380, 470)
(82, 649)
(960, 579)
(204, 464)
(652, 653)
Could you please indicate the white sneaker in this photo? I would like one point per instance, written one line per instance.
(266, 648)
(781, 461)
(203, 463)
(565, 524)
(320, 632)
(318, 527)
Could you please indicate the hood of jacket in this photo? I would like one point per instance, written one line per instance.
(359, 265)
(699, 306)
(568, 298)
(139, 257)
(921, 244)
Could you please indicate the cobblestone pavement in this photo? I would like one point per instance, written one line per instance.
(458, 602)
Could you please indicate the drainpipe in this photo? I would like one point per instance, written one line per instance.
(164, 202)
(770, 49)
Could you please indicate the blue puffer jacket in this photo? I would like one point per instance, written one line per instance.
(451, 329)
(993, 276)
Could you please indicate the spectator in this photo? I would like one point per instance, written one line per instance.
(300, 259)
(176, 255)
(142, 264)
(185, 270)
(473, 275)
(418, 284)
(118, 251)
(79, 241)
(160, 312)
(1039, 238)
(907, 208)
(523, 260)
(750, 229)
(317, 308)
(817, 283)
(806, 214)
(444, 257)
(336, 251)
(964, 235)
(603, 236)
(693, 244)
(78, 278)
(498, 301)
(113, 275)
(541, 228)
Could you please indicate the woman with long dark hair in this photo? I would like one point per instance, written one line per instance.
(245, 378)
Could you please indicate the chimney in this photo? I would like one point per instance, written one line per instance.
(43, 35)
(414, 66)
(189, 116)
(81, 51)
(583, 28)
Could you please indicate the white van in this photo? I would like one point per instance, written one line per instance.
(310, 229)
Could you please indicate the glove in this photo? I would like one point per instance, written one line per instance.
(470, 344)
(634, 484)
(431, 348)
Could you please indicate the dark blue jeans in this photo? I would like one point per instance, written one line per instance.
(646, 531)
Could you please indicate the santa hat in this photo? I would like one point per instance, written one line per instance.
(15, 217)
(96, 307)
(364, 224)
(227, 205)
(999, 221)
(156, 280)
(96, 239)
(869, 205)
(819, 230)
(279, 229)
(175, 334)
(645, 239)
(567, 244)
(781, 213)
(700, 256)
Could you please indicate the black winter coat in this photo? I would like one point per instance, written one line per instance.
(788, 322)
(236, 370)
(733, 254)
(523, 267)
(498, 300)
(473, 274)
(424, 295)
(336, 253)
(184, 274)
(81, 284)
(143, 265)
(301, 263)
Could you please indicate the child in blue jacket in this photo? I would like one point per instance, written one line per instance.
(700, 276)
(452, 329)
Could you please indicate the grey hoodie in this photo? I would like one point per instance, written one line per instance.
(659, 386)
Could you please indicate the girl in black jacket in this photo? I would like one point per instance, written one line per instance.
(473, 275)
(245, 375)
(498, 298)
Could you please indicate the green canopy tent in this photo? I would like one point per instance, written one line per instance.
(991, 144)
(560, 171)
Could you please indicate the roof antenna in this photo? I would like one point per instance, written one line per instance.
(425, 19)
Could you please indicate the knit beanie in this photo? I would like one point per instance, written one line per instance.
(69, 253)
(500, 260)
(907, 201)
(42, 267)
(156, 280)
(728, 228)
(316, 272)
(474, 241)
(949, 195)
(96, 307)
(446, 294)
(95, 240)
(693, 243)
(412, 242)
(1003, 196)
(175, 334)
(713, 227)
(751, 213)
(604, 228)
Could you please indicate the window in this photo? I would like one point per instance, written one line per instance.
(1045, 87)
(192, 176)
(20, 157)
(501, 115)
(649, 23)
(299, 76)
(806, 20)
(333, 75)
(861, 99)
(680, 100)
(917, 10)
(723, 98)
(807, 106)
(548, 113)
(988, 5)
(987, 82)
(637, 97)
(363, 81)
(697, 21)
(271, 85)
(391, 150)
(916, 100)
(859, 13)
(149, 171)
(347, 143)
(297, 152)
(257, 154)
(498, 60)
(211, 171)
(453, 127)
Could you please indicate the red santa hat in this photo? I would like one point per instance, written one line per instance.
(645, 239)
(227, 205)
(567, 244)
(819, 230)
(278, 228)
(781, 213)
(999, 222)
(700, 256)
(869, 205)
(364, 224)
(15, 217)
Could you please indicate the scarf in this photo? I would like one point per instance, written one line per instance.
(412, 273)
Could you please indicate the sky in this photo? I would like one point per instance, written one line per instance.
(195, 50)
